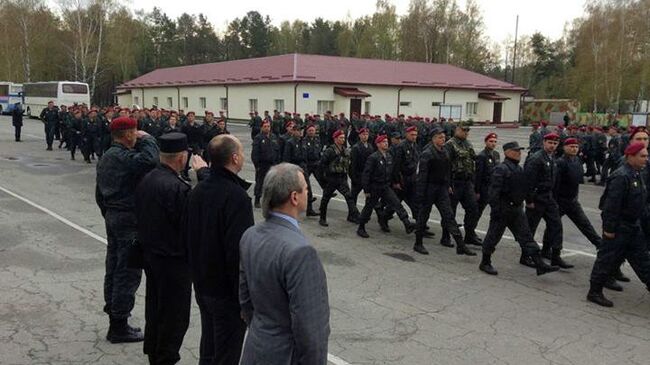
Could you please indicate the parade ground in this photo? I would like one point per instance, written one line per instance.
(389, 305)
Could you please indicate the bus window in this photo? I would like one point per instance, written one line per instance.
(4, 90)
(74, 89)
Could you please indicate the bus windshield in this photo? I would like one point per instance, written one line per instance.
(74, 88)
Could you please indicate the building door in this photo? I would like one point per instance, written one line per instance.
(355, 106)
(496, 116)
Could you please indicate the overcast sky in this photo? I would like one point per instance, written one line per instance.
(547, 16)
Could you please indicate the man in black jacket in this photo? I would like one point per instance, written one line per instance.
(506, 196)
(50, 118)
(133, 154)
(359, 154)
(218, 212)
(160, 200)
(376, 181)
(404, 178)
(266, 153)
(486, 160)
(17, 120)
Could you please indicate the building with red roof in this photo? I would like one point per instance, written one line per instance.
(315, 84)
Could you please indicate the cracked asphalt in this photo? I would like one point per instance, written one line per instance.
(388, 304)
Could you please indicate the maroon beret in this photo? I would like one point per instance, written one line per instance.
(570, 141)
(337, 134)
(380, 138)
(634, 148)
(311, 126)
(489, 136)
(123, 123)
(288, 124)
(411, 129)
(266, 121)
(544, 122)
(552, 137)
(637, 130)
(363, 130)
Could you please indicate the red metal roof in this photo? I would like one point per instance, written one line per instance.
(320, 69)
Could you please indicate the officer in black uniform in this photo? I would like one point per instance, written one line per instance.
(407, 156)
(359, 155)
(486, 160)
(75, 130)
(614, 154)
(295, 153)
(160, 200)
(624, 197)
(17, 120)
(265, 154)
(312, 149)
(506, 196)
(376, 180)
(335, 166)
(172, 125)
(133, 154)
(50, 118)
(433, 185)
(91, 133)
(63, 126)
(541, 172)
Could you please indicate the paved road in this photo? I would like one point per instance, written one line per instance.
(389, 305)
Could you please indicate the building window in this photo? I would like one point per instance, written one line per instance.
(155, 100)
(252, 105)
(224, 104)
(170, 102)
(471, 108)
(404, 103)
(366, 107)
(136, 100)
(451, 111)
(185, 102)
(279, 105)
(324, 106)
(202, 103)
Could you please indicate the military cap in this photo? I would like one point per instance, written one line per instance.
(173, 142)
(208, 112)
(337, 134)
(380, 138)
(490, 136)
(411, 129)
(363, 130)
(123, 123)
(288, 124)
(436, 130)
(190, 112)
(512, 146)
(395, 135)
(634, 148)
(266, 121)
(310, 126)
(570, 141)
(544, 122)
(551, 137)
(637, 130)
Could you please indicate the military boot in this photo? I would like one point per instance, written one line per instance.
(119, 331)
(323, 216)
(353, 213)
(527, 260)
(461, 248)
(546, 252)
(596, 295)
(257, 202)
(310, 211)
(409, 226)
(619, 276)
(383, 222)
(361, 231)
(612, 284)
(486, 265)
(556, 260)
(542, 267)
(419, 247)
(473, 240)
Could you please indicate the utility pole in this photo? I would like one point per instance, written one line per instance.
(514, 53)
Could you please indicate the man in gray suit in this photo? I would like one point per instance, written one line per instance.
(282, 284)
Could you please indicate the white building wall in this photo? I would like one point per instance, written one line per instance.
(239, 96)
(124, 100)
(212, 95)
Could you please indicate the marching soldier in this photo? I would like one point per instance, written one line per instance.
(486, 160)
(312, 149)
(50, 118)
(613, 156)
(75, 128)
(359, 154)
(624, 197)
(506, 196)
(17, 120)
(266, 153)
(255, 124)
(541, 171)
(407, 156)
(63, 126)
(433, 185)
(462, 157)
(335, 166)
(377, 179)
(91, 132)
(534, 140)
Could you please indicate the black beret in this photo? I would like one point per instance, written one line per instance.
(512, 146)
(173, 142)
(395, 135)
(436, 130)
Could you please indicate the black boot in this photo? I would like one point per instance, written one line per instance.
(473, 240)
(618, 275)
(311, 212)
(446, 242)
(556, 260)
(383, 223)
(596, 295)
(323, 216)
(361, 231)
(612, 284)
(409, 226)
(542, 267)
(486, 265)
(527, 261)
(419, 247)
(461, 249)
(119, 331)
(353, 213)
(428, 234)
(257, 202)
(545, 252)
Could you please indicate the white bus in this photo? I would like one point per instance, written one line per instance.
(38, 94)
(10, 94)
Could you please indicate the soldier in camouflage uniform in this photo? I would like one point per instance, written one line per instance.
(335, 166)
(462, 156)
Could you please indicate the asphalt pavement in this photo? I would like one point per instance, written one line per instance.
(389, 305)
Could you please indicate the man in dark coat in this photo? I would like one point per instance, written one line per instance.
(265, 153)
(407, 156)
(359, 154)
(160, 200)
(133, 154)
(50, 118)
(218, 212)
(486, 160)
(17, 120)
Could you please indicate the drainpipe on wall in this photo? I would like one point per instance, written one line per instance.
(178, 98)
(444, 101)
(143, 103)
(399, 99)
(227, 101)
(295, 98)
